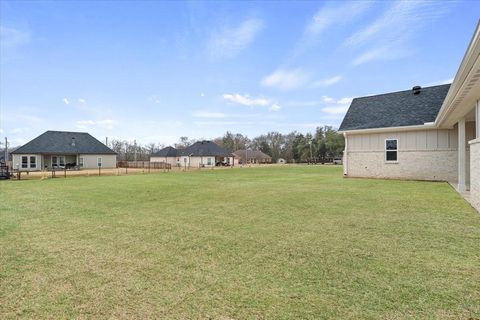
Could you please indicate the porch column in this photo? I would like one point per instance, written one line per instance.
(477, 119)
(461, 155)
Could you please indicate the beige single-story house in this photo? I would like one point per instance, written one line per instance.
(60, 149)
(168, 155)
(428, 133)
(204, 154)
(251, 157)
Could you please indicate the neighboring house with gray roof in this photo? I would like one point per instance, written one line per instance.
(252, 157)
(201, 154)
(428, 133)
(61, 149)
(167, 155)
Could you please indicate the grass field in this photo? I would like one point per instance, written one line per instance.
(293, 242)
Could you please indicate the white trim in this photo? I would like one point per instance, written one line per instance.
(426, 126)
(345, 155)
(455, 86)
(386, 151)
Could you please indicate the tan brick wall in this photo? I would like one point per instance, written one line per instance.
(475, 173)
(438, 165)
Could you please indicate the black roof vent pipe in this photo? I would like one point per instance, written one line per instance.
(416, 89)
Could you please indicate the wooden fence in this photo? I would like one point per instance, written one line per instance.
(144, 165)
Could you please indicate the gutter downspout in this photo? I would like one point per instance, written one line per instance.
(345, 156)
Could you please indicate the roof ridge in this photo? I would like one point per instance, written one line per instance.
(408, 90)
(61, 131)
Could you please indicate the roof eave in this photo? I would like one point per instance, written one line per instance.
(470, 59)
(426, 126)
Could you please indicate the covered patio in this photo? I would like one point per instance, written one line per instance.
(461, 110)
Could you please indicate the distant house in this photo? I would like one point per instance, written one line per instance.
(204, 154)
(167, 155)
(428, 133)
(252, 157)
(199, 155)
(60, 149)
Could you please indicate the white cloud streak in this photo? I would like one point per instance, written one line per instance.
(326, 82)
(246, 100)
(230, 41)
(389, 36)
(335, 107)
(66, 101)
(285, 79)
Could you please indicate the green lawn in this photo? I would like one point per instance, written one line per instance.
(295, 242)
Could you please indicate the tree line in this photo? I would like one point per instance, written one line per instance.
(321, 146)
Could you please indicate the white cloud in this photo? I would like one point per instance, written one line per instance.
(202, 94)
(246, 100)
(11, 38)
(389, 36)
(331, 14)
(230, 41)
(334, 14)
(335, 107)
(327, 99)
(66, 101)
(82, 101)
(373, 54)
(274, 107)
(106, 124)
(208, 114)
(326, 82)
(285, 79)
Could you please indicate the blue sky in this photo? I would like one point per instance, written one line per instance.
(155, 71)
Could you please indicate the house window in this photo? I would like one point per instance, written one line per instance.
(209, 161)
(391, 150)
(80, 162)
(24, 162)
(33, 162)
(99, 161)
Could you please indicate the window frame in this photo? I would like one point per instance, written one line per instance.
(387, 150)
(34, 162)
(99, 161)
(24, 165)
(81, 162)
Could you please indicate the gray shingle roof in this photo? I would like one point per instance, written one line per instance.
(204, 148)
(257, 154)
(166, 152)
(396, 109)
(60, 142)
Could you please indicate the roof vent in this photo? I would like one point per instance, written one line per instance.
(416, 89)
(73, 141)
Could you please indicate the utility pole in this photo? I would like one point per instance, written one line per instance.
(6, 150)
(134, 150)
